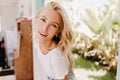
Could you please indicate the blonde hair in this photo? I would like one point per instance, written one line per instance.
(66, 37)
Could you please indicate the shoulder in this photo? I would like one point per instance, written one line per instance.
(35, 48)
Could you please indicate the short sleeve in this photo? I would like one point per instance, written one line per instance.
(59, 64)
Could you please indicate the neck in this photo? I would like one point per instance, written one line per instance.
(47, 46)
(45, 43)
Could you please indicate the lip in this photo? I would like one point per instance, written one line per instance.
(43, 34)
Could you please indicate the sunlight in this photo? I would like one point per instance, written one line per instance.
(83, 28)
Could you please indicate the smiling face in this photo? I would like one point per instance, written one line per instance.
(48, 24)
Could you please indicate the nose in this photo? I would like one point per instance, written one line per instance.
(45, 28)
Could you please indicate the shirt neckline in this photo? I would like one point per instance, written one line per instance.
(48, 52)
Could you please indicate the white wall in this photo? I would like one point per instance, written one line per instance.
(37, 69)
(24, 7)
(8, 17)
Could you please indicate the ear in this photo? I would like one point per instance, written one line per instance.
(59, 35)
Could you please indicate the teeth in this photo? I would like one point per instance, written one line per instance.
(42, 34)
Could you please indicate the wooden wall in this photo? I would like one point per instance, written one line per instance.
(23, 65)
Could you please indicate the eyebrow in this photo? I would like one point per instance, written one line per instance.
(52, 22)
(44, 17)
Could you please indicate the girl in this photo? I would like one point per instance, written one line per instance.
(53, 42)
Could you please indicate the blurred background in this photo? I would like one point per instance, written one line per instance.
(96, 26)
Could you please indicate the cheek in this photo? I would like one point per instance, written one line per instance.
(38, 27)
(53, 33)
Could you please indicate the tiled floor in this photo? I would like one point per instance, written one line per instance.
(9, 77)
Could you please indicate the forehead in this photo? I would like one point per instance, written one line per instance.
(51, 15)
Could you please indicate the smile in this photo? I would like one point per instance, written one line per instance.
(43, 34)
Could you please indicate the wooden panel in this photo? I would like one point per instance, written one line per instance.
(24, 63)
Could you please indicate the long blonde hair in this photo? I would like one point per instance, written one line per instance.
(66, 36)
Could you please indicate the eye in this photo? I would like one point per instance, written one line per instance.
(54, 26)
(42, 19)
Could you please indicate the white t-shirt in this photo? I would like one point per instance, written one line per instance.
(53, 63)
